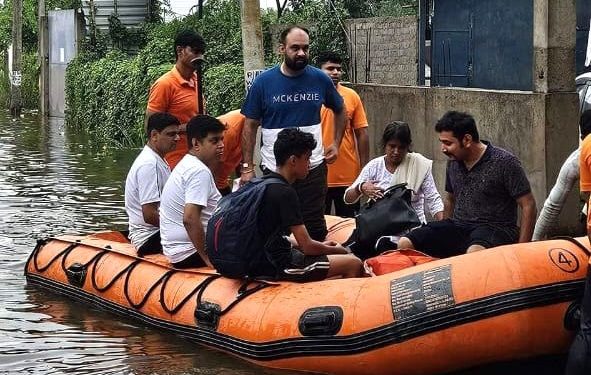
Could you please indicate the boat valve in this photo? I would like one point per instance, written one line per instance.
(207, 315)
(76, 274)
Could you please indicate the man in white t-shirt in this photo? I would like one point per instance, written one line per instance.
(145, 181)
(190, 195)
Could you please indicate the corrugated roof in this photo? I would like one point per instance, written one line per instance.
(130, 12)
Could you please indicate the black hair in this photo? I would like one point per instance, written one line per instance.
(398, 130)
(292, 141)
(283, 35)
(459, 123)
(189, 38)
(202, 125)
(160, 120)
(328, 56)
(585, 123)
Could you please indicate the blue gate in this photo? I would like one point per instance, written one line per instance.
(583, 17)
(485, 44)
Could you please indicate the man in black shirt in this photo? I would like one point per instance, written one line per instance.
(305, 259)
(484, 186)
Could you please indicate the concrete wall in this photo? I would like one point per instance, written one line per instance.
(540, 129)
(383, 50)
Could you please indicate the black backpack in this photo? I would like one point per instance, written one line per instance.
(233, 242)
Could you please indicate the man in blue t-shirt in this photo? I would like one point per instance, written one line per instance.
(290, 96)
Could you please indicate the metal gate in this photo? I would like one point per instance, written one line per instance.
(583, 18)
(481, 44)
(63, 46)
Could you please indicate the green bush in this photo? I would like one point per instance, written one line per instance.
(107, 97)
(4, 85)
(29, 82)
(224, 88)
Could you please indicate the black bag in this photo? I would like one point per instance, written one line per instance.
(390, 215)
(233, 242)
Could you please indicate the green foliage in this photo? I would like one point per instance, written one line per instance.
(29, 22)
(224, 88)
(4, 85)
(30, 80)
(399, 8)
(220, 27)
(325, 23)
(379, 8)
(107, 97)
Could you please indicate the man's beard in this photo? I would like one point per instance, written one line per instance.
(298, 63)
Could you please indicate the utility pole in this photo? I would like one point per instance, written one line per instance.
(17, 51)
(43, 46)
(252, 40)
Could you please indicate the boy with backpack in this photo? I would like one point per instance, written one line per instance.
(246, 236)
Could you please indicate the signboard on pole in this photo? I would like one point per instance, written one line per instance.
(250, 76)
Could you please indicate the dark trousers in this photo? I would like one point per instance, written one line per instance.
(192, 261)
(335, 195)
(151, 246)
(312, 194)
(579, 356)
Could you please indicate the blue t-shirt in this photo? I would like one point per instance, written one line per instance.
(281, 101)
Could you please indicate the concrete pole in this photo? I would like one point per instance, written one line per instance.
(554, 46)
(17, 51)
(252, 40)
(43, 47)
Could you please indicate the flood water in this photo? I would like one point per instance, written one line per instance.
(54, 181)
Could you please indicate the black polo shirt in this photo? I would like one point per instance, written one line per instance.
(487, 193)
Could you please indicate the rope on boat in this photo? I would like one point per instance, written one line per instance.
(114, 279)
(242, 292)
(200, 287)
(148, 293)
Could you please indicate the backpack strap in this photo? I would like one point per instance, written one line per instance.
(270, 179)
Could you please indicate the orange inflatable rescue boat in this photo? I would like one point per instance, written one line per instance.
(499, 304)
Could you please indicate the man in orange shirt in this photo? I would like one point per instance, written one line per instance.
(234, 122)
(177, 92)
(354, 150)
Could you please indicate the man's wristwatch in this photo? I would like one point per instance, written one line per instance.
(246, 167)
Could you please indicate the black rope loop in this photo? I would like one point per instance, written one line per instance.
(97, 256)
(148, 293)
(200, 287)
(129, 267)
(243, 293)
(44, 268)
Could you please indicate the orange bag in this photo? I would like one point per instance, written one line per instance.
(395, 260)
